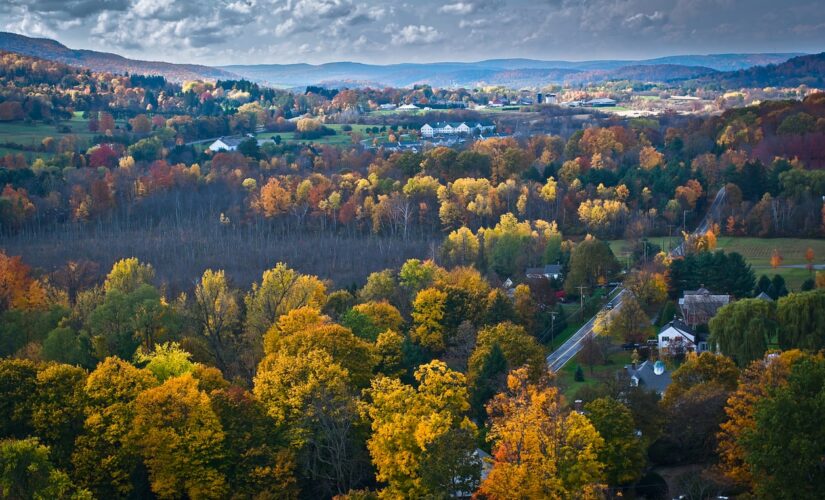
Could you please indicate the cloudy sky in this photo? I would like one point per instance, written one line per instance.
(287, 31)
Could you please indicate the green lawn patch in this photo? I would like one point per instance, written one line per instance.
(758, 251)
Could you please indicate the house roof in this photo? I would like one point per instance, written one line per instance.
(764, 296)
(684, 330)
(648, 378)
(548, 269)
(231, 142)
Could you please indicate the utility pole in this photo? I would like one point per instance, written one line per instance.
(581, 296)
(553, 315)
(684, 217)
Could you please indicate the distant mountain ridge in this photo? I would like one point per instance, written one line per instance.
(510, 72)
(52, 50)
(803, 70)
(722, 69)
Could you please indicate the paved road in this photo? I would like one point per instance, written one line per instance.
(558, 358)
(573, 345)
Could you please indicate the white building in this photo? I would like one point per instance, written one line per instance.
(678, 333)
(455, 128)
(226, 144)
(408, 107)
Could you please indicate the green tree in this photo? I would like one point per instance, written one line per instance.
(18, 382)
(64, 345)
(744, 329)
(802, 320)
(27, 472)
(59, 409)
(623, 454)
(166, 361)
(784, 448)
(499, 308)
(591, 263)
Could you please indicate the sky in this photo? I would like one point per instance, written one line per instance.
(217, 32)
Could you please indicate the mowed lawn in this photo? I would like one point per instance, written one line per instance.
(341, 137)
(758, 252)
(566, 376)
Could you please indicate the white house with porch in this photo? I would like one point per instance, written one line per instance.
(677, 333)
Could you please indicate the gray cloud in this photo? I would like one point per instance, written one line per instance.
(257, 31)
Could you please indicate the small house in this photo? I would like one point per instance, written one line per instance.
(677, 333)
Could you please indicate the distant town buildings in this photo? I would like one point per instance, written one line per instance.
(593, 103)
(456, 128)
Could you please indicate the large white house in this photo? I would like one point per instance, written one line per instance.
(455, 128)
(678, 334)
(226, 144)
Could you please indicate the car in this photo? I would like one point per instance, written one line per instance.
(630, 346)
(608, 307)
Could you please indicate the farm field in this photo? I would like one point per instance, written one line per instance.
(757, 251)
(32, 134)
(341, 137)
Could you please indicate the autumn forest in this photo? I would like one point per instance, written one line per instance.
(321, 313)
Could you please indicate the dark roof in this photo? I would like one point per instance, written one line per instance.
(648, 378)
(683, 328)
(548, 269)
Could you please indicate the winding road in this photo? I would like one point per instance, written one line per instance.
(568, 350)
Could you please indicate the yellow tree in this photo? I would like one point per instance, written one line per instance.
(281, 290)
(105, 459)
(427, 315)
(127, 275)
(218, 314)
(410, 424)
(461, 247)
(180, 439)
(308, 396)
(540, 450)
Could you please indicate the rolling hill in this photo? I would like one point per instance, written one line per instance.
(52, 50)
(803, 70)
(723, 70)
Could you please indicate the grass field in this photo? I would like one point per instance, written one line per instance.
(757, 251)
(341, 138)
(32, 134)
